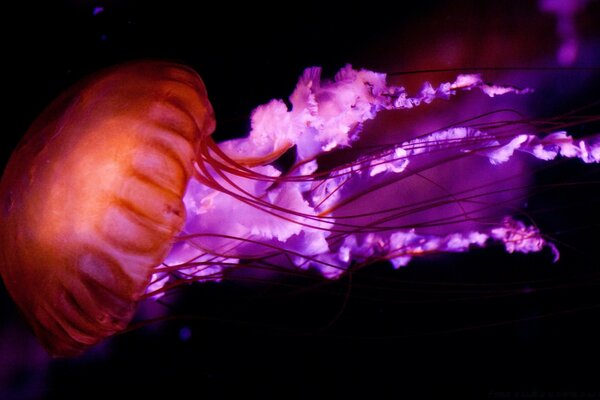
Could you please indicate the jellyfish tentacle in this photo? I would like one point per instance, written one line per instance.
(327, 229)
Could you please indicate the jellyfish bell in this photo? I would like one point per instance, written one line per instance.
(117, 193)
(91, 198)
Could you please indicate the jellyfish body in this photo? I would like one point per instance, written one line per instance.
(118, 193)
(91, 199)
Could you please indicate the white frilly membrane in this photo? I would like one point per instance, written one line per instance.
(241, 209)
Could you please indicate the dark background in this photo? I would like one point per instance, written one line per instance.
(484, 324)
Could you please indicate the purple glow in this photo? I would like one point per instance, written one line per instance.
(240, 206)
(565, 11)
(97, 10)
(185, 334)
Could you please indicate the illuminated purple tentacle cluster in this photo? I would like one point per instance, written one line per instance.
(260, 214)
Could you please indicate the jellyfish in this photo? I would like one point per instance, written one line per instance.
(118, 192)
